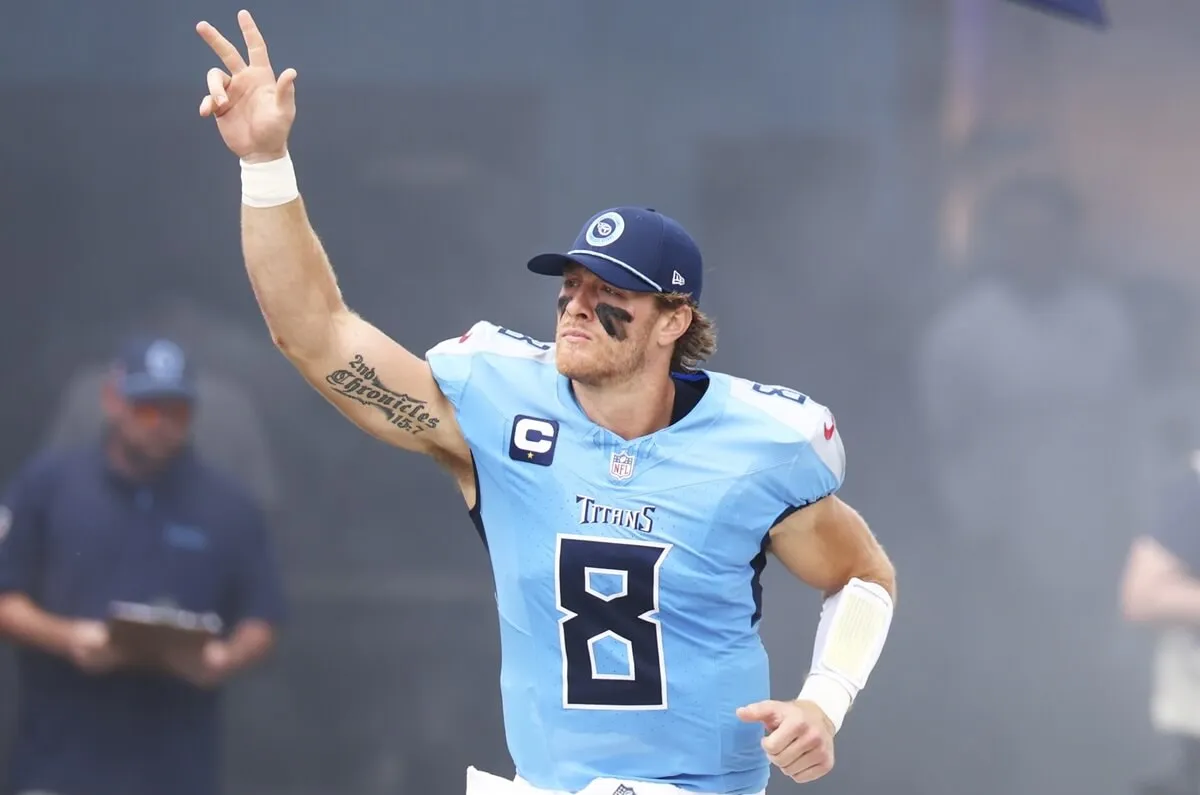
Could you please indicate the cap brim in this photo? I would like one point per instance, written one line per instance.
(136, 395)
(136, 389)
(614, 274)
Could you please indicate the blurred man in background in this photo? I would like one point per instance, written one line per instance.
(227, 427)
(1161, 587)
(1027, 382)
(1018, 377)
(135, 517)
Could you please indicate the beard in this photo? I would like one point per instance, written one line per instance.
(597, 365)
(144, 462)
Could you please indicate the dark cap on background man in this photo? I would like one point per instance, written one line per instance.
(633, 248)
(154, 368)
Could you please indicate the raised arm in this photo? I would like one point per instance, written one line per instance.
(375, 382)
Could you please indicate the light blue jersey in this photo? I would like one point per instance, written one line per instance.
(627, 572)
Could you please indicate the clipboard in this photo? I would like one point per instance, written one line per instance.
(150, 630)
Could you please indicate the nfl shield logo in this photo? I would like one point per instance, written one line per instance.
(621, 465)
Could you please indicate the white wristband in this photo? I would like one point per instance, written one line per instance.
(830, 695)
(269, 184)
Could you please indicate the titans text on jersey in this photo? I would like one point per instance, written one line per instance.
(627, 571)
(591, 512)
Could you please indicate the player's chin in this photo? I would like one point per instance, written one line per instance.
(576, 364)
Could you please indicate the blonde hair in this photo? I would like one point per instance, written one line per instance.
(698, 343)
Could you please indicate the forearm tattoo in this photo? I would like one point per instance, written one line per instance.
(359, 382)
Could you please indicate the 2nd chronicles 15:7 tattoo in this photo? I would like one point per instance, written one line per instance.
(360, 383)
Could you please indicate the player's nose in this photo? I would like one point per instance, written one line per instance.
(578, 304)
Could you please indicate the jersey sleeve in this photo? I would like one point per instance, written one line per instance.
(23, 507)
(455, 362)
(804, 460)
(818, 467)
(451, 361)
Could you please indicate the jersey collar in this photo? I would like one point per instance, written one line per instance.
(668, 442)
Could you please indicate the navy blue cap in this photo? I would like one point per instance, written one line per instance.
(154, 368)
(633, 248)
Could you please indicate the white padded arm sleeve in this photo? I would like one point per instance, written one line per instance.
(850, 636)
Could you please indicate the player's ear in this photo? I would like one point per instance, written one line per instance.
(675, 320)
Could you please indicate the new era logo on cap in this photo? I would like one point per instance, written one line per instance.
(633, 248)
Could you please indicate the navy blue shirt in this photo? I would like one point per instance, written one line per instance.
(81, 536)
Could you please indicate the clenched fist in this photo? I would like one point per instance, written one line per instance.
(254, 110)
(799, 737)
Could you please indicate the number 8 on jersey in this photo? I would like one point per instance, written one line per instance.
(625, 614)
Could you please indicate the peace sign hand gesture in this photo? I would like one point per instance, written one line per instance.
(253, 109)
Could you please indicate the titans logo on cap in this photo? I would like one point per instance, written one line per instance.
(605, 230)
(164, 361)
